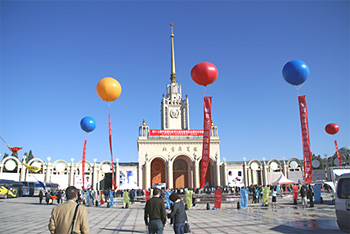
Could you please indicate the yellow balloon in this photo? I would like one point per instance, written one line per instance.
(108, 89)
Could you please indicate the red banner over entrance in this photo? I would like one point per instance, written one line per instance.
(206, 139)
(339, 157)
(306, 140)
(217, 198)
(158, 132)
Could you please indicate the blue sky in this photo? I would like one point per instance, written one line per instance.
(53, 53)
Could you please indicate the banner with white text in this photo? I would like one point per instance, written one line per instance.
(206, 139)
(306, 140)
(339, 157)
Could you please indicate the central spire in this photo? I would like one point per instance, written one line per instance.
(173, 75)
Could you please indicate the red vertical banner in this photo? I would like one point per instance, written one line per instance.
(306, 140)
(110, 146)
(147, 195)
(83, 165)
(339, 157)
(206, 139)
(101, 198)
(217, 198)
(295, 192)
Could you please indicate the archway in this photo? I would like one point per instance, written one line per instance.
(157, 171)
(180, 173)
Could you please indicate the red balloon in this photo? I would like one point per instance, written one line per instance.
(332, 128)
(204, 73)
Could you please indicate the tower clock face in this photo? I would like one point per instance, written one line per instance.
(174, 114)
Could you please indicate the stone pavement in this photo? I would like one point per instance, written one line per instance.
(24, 215)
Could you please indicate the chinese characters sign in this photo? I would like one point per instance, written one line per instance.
(157, 132)
(206, 139)
(306, 140)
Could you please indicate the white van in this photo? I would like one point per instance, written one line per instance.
(342, 202)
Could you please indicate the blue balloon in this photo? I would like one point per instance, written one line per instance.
(295, 72)
(88, 124)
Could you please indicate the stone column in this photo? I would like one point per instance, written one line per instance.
(170, 172)
(245, 172)
(23, 171)
(217, 164)
(284, 168)
(196, 171)
(94, 175)
(117, 173)
(71, 173)
(264, 173)
(47, 170)
(325, 161)
(251, 179)
(224, 166)
(147, 174)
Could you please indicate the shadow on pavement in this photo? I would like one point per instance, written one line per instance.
(121, 230)
(289, 229)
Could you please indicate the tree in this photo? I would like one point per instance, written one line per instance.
(30, 156)
(14, 154)
(5, 155)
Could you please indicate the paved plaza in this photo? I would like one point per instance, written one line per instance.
(26, 215)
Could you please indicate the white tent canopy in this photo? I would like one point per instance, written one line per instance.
(283, 180)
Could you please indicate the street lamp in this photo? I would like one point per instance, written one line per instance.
(48, 159)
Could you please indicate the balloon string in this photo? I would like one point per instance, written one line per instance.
(110, 144)
(299, 87)
(205, 90)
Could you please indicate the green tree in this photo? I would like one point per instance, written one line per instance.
(5, 155)
(30, 156)
(14, 154)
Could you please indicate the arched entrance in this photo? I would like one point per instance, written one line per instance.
(180, 170)
(157, 171)
(208, 175)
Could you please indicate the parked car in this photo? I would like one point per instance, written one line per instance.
(342, 202)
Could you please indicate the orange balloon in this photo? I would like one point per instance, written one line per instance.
(108, 89)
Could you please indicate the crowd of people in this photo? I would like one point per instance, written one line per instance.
(51, 196)
(306, 193)
(155, 209)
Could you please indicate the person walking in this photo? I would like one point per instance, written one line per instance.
(310, 195)
(303, 196)
(59, 196)
(41, 196)
(48, 197)
(178, 214)
(69, 217)
(257, 194)
(155, 214)
(274, 195)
